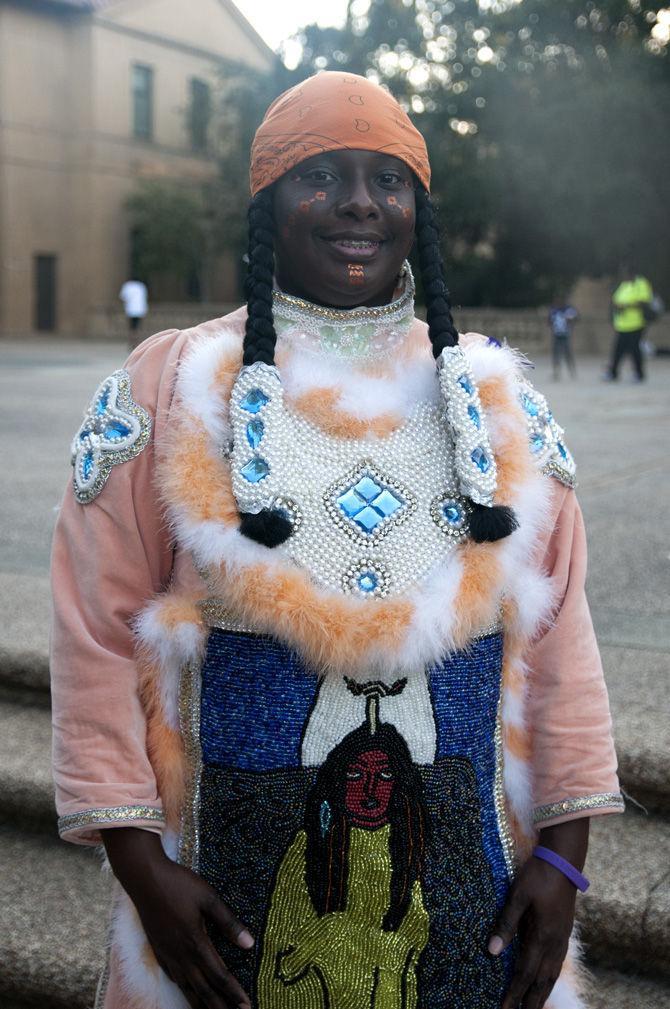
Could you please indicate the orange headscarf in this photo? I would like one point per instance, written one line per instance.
(333, 111)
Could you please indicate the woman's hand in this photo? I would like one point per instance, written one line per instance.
(174, 906)
(540, 908)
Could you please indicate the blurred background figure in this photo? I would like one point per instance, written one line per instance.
(633, 308)
(562, 317)
(135, 300)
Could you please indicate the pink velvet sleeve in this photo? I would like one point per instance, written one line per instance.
(108, 557)
(574, 763)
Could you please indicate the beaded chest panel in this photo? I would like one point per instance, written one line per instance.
(356, 828)
(370, 516)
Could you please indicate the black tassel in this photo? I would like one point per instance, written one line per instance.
(490, 524)
(271, 526)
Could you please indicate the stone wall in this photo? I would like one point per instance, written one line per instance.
(525, 328)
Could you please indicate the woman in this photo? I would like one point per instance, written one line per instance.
(310, 527)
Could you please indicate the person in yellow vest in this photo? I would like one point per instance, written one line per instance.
(631, 308)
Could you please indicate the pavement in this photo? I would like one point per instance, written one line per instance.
(53, 905)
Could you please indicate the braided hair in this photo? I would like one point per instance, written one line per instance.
(272, 526)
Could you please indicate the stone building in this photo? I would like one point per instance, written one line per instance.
(94, 95)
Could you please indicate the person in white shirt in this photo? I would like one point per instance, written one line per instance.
(134, 296)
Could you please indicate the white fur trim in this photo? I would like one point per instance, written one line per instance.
(152, 987)
(360, 395)
(171, 649)
(197, 381)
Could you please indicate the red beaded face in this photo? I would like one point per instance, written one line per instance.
(369, 787)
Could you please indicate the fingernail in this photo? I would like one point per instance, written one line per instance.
(495, 945)
(245, 939)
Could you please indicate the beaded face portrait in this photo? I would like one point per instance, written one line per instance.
(370, 808)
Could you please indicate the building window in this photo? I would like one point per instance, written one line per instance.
(200, 111)
(143, 101)
(44, 293)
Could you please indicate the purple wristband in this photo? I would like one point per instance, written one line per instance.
(568, 870)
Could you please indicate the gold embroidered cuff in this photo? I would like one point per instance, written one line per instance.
(583, 804)
(563, 476)
(108, 816)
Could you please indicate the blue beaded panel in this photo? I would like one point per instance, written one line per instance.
(465, 689)
(256, 699)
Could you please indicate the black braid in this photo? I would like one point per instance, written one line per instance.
(441, 328)
(271, 526)
(260, 337)
(486, 524)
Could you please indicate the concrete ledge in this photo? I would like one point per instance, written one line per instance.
(625, 916)
(26, 788)
(24, 670)
(613, 990)
(55, 908)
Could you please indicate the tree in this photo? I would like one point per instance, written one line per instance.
(547, 126)
(168, 225)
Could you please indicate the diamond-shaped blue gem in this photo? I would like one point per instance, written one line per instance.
(531, 408)
(367, 488)
(255, 432)
(87, 465)
(452, 512)
(116, 431)
(386, 503)
(480, 459)
(466, 384)
(256, 469)
(562, 450)
(537, 443)
(368, 519)
(101, 405)
(367, 581)
(473, 414)
(350, 503)
(254, 401)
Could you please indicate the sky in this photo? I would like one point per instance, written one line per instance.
(276, 20)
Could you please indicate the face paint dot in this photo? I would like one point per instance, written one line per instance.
(304, 206)
(392, 201)
(320, 195)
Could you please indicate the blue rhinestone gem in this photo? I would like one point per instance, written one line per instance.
(116, 431)
(562, 450)
(101, 405)
(254, 401)
(452, 512)
(386, 503)
(367, 488)
(537, 443)
(480, 459)
(368, 503)
(473, 414)
(531, 408)
(87, 465)
(84, 434)
(368, 519)
(367, 581)
(466, 384)
(255, 432)
(350, 503)
(255, 470)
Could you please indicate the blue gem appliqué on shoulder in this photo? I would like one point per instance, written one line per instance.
(545, 436)
(114, 430)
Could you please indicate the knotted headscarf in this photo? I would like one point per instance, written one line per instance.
(333, 111)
